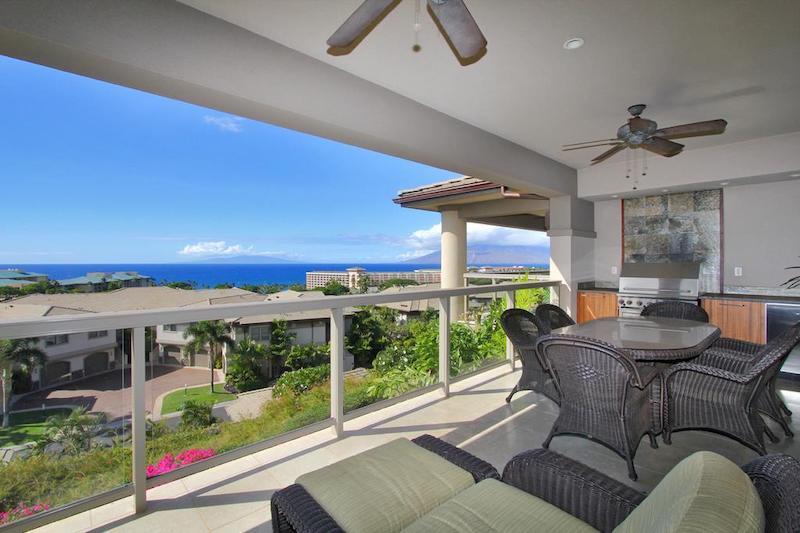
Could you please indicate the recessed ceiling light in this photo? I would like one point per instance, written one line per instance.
(664, 190)
(615, 196)
(724, 183)
(573, 44)
(795, 175)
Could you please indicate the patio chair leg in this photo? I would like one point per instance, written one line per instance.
(513, 392)
(631, 469)
(653, 442)
(785, 425)
(770, 435)
(666, 436)
(546, 443)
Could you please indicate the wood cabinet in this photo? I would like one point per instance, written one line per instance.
(738, 319)
(596, 304)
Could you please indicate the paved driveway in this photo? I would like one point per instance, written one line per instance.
(110, 393)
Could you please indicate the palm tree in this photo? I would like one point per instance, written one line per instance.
(213, 335)
(17, 354)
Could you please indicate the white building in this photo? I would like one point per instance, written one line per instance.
(352, 277)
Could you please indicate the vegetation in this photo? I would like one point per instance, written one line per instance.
(396, 282)
(244, 365)
(197, 414)
(185, 285)
(308, 355)
(334, 288)
(16, 356)
(73, 431)
(39, 287)
(280, 340)
(175, 400)
(298, 287)
(209, 335)
(300, 381)
(370, 332)
(268, 288)
(27, 426)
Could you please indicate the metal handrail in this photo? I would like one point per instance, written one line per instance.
(78, 323)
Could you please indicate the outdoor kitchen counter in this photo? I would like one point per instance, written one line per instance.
(748, 297)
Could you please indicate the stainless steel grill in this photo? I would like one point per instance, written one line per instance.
(641, 284)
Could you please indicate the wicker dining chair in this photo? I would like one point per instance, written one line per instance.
(724, 394)
(552, 317)
(523, 328)
(670, 309)
(605, 396)
(770, 402)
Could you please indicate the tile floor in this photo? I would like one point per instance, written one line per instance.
(235, 496)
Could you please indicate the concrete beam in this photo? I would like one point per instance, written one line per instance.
(504, 207)
(168, 48)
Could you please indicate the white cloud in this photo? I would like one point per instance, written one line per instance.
(225, 123)
(223, 249)
(215, 248)
(425, 241)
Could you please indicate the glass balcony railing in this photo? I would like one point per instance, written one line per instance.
(85, 428)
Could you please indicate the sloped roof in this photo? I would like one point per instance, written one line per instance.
(14, 273)
(102, 277)
(412, 306)
(445, 188)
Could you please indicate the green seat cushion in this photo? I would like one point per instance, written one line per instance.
(705, 493)
(494, 506)
(386, 488)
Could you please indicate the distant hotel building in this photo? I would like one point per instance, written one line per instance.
(351, 277)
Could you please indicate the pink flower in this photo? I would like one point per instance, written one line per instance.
(21, 510)
(169, 463)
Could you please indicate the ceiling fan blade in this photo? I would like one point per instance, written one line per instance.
(360, 22)
(696, 129)
(459, 28)
(605, 155)
(591, 142)
(590, 146)
(660, 146)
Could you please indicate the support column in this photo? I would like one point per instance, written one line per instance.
(454, 258)
(337, 370)
(444, 345)
(139, 474)
(572, 237)
(511, 302)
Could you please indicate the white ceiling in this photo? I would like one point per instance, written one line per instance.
(689, 60)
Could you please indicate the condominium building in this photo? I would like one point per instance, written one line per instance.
(352, 277)
(101, 281)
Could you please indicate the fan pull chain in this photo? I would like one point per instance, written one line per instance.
(627, 164)
(417, 27)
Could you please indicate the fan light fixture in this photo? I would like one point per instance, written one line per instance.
(573, 44)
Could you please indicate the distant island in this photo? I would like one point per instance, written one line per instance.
(492, 254)
(246, 260)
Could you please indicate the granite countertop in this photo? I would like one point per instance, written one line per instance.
(751, 297)
(598, 286)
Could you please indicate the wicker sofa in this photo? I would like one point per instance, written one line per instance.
(539, 491)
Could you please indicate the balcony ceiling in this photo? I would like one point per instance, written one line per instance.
(687, 60)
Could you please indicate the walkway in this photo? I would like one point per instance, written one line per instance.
(110, 393)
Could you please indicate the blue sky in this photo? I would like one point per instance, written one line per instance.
(96, 173)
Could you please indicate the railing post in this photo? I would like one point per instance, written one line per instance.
(444, 345)
(138, 476)
(337, 370)
(511, 302)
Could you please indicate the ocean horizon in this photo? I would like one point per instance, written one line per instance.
(212, 274)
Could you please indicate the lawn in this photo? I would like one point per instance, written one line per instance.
(173, 402)
(27, 426)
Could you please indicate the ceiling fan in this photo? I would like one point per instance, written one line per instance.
(640, 132)
(451, 17)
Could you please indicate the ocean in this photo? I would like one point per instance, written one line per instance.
(209, 275)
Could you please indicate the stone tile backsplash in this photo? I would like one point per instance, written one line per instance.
(677, 228)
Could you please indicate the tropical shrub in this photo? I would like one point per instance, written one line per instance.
(244, 366)
(398, 381)
(73, 431)
(308, 355)
(169, 462)
(197, 414)
(300, 381)
(280, 340)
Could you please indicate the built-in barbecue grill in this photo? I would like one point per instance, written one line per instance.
(641, 284)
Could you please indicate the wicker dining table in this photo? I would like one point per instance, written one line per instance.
(649, 338)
